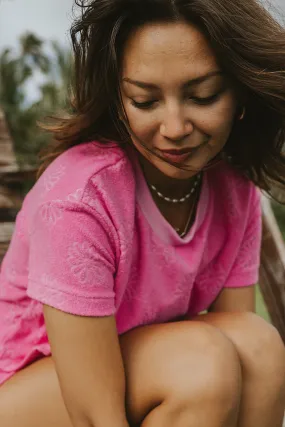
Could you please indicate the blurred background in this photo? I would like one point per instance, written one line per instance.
(35, 73)
(35, 66)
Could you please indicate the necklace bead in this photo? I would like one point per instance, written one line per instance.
(183, 199)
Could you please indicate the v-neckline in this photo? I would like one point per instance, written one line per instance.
(153, 215)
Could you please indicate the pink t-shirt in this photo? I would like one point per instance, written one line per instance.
(90, 241)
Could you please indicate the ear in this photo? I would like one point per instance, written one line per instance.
(242, 114)
(241, 97)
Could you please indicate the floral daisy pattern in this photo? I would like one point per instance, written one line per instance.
(85, 264)
(48, 281)
(51, 213)
(52, 178)
(76, 196)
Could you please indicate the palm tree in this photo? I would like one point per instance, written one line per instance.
(15, 71)
(32, 54)
(56, 90)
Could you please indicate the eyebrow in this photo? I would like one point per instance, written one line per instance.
(191, 82)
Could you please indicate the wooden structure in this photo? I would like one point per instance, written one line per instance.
(11, 185)
(272, 268)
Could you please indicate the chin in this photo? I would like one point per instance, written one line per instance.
(173, 172)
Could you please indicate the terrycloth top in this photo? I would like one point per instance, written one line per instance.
(90, 240)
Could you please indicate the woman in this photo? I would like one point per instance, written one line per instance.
(144, 216)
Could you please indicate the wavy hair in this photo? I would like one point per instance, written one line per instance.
(249, 45)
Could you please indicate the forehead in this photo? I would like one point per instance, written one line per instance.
(168, 50)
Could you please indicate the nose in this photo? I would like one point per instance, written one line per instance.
(175, 125)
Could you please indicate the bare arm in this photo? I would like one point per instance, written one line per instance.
(89, 365)
(235, 299)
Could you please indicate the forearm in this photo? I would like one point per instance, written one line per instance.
(107, 406)
(107, 415)
(90, 368)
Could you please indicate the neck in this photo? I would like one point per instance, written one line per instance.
(170, 187)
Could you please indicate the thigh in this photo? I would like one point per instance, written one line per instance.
(32, 398)
(159, 360)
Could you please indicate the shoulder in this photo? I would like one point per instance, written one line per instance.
(84, 167)
(91, 178)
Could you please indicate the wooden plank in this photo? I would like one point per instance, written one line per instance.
(9, 198)
(8, 215)
(3, 250)
(8, 175)
(272, 269)
(6, 231)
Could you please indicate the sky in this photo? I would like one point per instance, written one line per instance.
(49, 19)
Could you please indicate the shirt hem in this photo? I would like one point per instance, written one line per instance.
(80, 306)
(242, 281)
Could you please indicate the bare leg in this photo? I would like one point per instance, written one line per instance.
(262, 356)
(195, 377)
(178, 374)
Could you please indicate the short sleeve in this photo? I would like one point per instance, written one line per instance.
(245, 269)
(72, 260)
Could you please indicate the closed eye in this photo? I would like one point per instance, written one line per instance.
(197, 100)
(143, 105)
(206, 101)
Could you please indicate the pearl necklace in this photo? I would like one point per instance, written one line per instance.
(183, 199)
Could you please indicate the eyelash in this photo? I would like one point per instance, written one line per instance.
(200, 101)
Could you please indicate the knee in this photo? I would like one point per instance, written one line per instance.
(207, 370)
(183, 366)
(259, 342)
(261, 348)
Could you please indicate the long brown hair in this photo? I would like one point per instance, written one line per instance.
(248, 42)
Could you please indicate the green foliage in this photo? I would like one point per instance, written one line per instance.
(16, 70)
(261, 309)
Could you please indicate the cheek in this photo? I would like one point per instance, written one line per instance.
(143, 123)
(219, 122)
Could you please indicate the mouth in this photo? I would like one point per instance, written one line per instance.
(179, 156)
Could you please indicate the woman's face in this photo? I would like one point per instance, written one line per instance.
(176, 97)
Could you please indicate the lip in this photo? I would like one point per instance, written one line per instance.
(178, 156)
